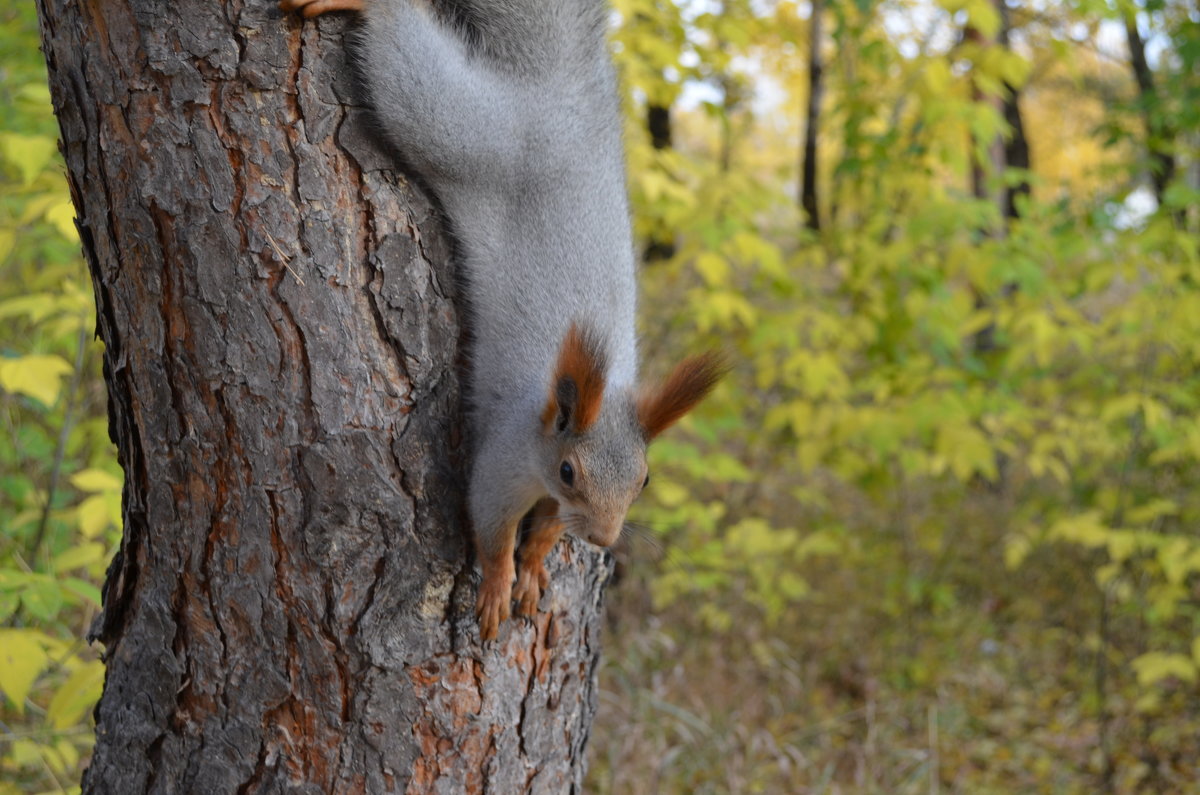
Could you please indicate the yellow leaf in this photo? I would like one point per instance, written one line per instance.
(29, 153)
(937, 77)
(38, 376)
(76, 695)
(967, 451)
(77, 556)
(95, 481)
(1121, 545)
(654, 185)
(713, 268)
(1015, 551)
(22, 658)
(62, 215)
(1157, 665)
(68, 751)
(1085, 529)
(25, 753)
(669, 494)
(35, 306)
(93, 515)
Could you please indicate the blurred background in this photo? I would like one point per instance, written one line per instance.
(939, 531)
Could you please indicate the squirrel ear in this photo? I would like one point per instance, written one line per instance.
(578, 385)
(693, 378)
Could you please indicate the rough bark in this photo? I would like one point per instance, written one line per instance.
(812, 123)
(291, 605)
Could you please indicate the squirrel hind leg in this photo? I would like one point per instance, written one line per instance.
(313, 8)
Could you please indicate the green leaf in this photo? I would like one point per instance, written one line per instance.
(83, 589)
(7, 239)
(42, 597)
(8, 604)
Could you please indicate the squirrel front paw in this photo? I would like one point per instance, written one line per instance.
(492, 606)
(532, 579)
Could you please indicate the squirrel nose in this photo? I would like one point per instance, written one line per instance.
(604, 537)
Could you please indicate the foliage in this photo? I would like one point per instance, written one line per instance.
(59, 482)
(946, 427)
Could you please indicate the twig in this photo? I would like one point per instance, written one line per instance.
(61, 445)
(284, 258)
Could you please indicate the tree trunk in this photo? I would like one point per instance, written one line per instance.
(291, 608)
(658, 123)
(1016, 145)
(986, 158)
(808, 160)
(1160, 138)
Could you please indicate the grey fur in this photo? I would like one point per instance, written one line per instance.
(508, 110)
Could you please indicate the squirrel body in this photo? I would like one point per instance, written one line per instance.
(508, 111)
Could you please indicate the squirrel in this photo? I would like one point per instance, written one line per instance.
(508, 110)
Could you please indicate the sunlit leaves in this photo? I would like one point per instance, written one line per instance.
(22, 658)
(1154, 667)
(38, 376)
(59, 499)
(30, 154)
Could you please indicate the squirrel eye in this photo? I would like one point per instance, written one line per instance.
(646, 482)
(567, 473)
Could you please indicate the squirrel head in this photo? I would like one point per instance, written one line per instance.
(594, 442)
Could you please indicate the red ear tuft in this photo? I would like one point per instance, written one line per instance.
(692, 379)
(578, 386)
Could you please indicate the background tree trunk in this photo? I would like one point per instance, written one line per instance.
(812, 122)
(661, 245)
(1160, 138)
(1016, 144)
(291, 606)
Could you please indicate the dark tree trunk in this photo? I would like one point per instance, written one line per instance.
(989, 157)
(808, 160)
(658, 123)
(1016, 154)
(1016, 146)
(1159, 135)
(291, 606)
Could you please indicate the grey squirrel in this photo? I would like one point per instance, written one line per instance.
(508, 111)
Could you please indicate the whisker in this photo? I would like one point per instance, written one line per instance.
(643, 533)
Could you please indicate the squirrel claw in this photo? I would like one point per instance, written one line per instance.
(492, 609)
(532, 579)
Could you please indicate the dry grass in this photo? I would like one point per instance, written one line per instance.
(995, 694)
